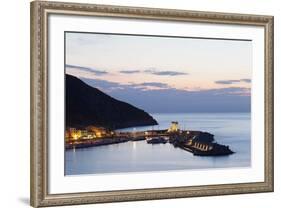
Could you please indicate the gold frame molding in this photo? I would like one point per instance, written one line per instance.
(39, 103)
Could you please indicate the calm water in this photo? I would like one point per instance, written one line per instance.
(233, 129)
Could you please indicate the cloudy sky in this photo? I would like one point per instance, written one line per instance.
(164, 74)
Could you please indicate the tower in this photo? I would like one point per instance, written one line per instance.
(174, 127)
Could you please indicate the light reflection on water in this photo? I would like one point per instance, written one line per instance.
(233, 129)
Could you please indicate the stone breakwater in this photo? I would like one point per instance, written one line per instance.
(200, 143)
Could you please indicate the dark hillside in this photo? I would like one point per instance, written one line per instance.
(86, 106)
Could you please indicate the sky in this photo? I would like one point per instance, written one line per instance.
(164, 74)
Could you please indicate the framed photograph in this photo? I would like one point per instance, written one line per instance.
(143, 103)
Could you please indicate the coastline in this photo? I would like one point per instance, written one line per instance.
(197, 142)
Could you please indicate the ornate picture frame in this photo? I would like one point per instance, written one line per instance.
(40, 83)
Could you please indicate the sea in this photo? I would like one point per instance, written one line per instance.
(233, 129)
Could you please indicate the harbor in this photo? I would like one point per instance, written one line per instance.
(196, 142)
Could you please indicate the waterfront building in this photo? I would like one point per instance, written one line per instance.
(72, 133)
(67, 134)
(84, 133)
(98, 131)
(174, 127)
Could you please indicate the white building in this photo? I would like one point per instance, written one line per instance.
(174, 127)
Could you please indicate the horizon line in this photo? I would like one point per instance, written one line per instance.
(160, 36)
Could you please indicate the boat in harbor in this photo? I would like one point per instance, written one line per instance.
(156, 140)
